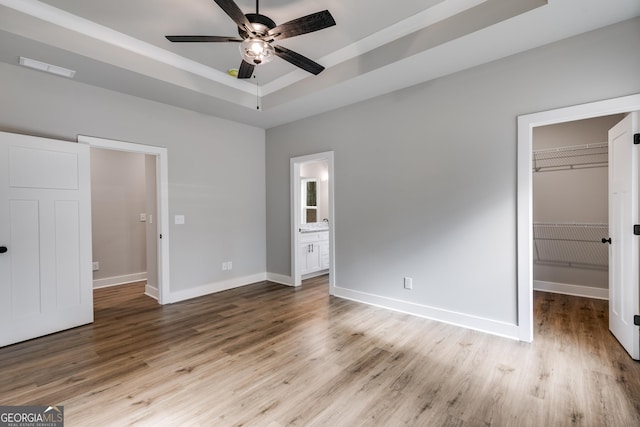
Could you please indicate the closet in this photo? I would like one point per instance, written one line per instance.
(570, 244)
(570, 206)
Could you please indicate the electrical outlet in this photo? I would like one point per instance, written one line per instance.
(225, 266)
(408, 283)
(96, 266)
(229, 265)
(143, 217)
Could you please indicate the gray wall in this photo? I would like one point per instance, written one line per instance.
(216, 167)
(572, 195)
(435, 168)
(118, 197)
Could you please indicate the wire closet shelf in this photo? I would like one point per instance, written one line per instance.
(571, 157)
(571, 244)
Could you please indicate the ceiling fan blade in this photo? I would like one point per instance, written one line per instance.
(234, 12)
(204, 39)
(298, 60)
(246, 70)
(306, 24)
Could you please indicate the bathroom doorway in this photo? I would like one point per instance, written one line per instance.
(312, 218)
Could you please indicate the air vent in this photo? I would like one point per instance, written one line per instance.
(49, 68)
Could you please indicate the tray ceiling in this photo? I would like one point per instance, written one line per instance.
(376, 47)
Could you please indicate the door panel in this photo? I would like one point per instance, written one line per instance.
(24, 252)
(43, 168)
(67, 214)
(624, 280)
(45, 222)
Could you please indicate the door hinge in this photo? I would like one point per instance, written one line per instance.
(636, 138)
(636, 229)
(636, 320)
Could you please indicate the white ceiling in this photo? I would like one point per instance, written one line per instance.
(376, 47)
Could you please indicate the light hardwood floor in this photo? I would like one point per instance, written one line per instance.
(270, 355)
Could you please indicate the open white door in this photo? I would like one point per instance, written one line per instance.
(624, 281)
(45, 233)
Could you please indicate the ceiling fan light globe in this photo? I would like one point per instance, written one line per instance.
(256, 51)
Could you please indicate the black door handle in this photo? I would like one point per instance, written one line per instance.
(3, 249)
(606, 240)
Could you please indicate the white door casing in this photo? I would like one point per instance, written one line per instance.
(164, 295)
(526, 124)
(295, 163)
(45, 224)
(624, 281)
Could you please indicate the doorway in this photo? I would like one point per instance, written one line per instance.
(570, 207)
(123, 215)
(312, 215)
(156, 158)
(526, 124)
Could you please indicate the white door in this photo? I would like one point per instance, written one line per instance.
(624, 300)
(45, 233)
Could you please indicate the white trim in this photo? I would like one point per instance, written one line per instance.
(526, 123)
(450, 317)
(568, 289)
(295, 163)
(162, 185)
(151, 291)
(119, 280)
(280, 278)
(211, 288)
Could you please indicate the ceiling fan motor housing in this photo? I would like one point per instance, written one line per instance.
(261, 24)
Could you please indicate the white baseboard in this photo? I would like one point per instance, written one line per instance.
(481, 324)
(119, 280)
(151, 291)
(280, 278)
(211, 288)
(575, 290)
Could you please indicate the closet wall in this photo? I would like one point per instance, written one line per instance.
(570, 205)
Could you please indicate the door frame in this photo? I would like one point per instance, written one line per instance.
(162, 189)
(295, 163)
(524, 245)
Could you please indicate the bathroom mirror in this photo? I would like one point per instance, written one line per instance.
(309, 200)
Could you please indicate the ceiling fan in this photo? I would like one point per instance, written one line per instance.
(258, 33)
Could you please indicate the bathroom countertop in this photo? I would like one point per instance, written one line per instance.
(314, 227)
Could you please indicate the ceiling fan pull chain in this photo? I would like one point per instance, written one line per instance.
(257, 93)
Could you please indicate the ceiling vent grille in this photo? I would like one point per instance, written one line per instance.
(48, 68)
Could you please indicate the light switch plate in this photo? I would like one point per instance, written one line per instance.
(408, 283)
(179, 219)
